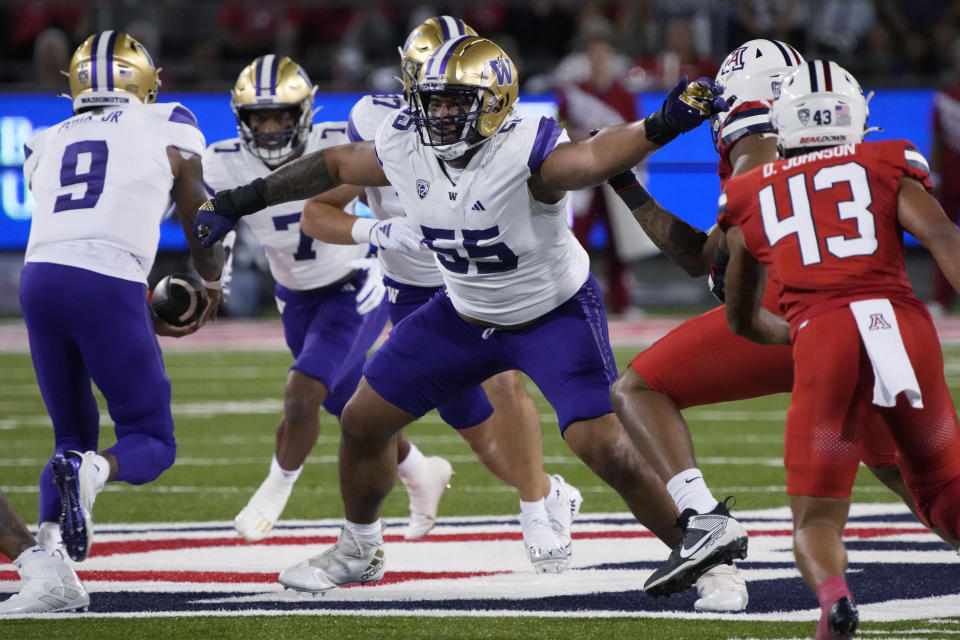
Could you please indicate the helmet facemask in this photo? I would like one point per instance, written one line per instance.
(455, 131)
(275, 147)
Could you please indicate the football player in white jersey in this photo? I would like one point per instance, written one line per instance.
(486, 187)
(329, 302)
(103, 180)
(49, 583)
(503, 431)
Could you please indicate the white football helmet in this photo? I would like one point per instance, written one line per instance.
(753, 71)
(820, 105)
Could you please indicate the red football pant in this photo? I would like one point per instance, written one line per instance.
(832, 411)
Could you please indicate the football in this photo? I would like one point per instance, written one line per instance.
(179, 299)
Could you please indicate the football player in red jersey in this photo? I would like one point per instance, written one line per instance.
(701, 361)
(827, 222)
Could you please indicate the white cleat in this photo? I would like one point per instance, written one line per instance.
(257, 519)
(563, 504)
(349, 561)
(49, 585)
(425, 486)
(722, 588)
(545, 549)
(49, 538)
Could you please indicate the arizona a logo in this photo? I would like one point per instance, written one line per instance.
(877, 322)
(423, 187)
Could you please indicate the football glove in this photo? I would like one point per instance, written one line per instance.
(718, 271)
(217, 216)
(685, 107)
(396, 233)
(373, 290)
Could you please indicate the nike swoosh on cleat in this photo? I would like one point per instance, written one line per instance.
(686, 553)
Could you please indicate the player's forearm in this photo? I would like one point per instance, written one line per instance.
(945, 248)
(766, 328)
(303, 178)
(678, 240)
(617, 149)
(327, 223)
(208, 262)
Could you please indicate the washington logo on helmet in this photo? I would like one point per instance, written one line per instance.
(501, 69)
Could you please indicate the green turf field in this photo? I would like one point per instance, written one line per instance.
(226, 406)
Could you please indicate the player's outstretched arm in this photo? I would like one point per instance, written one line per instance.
(745, 280)
(576, 165)
(303, 178)
(920, 214)
(678, 240)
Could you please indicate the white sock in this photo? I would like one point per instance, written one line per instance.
(372, 531)
(408, 465)
(281, 476)
(689, 491)
(537, 506)
(102, 465)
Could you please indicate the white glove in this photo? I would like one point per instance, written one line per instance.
(396, 233)
(372, 291)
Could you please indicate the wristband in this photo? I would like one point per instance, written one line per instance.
(242, 200)
(360, 232)
(657, 129)
(630, 190)
(216, 284)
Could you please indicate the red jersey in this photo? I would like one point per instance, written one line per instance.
(825, 224)
(746, 118)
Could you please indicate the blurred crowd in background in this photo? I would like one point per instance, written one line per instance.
(351, 45)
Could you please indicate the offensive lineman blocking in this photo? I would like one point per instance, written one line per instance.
(498, 420)
(517, 284)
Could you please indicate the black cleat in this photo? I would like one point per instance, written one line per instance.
(709, 539)
(843, 618)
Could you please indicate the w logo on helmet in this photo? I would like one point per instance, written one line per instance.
(503, 72)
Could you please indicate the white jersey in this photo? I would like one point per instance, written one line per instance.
(417, 268)
(505, 258)
(102, 181)
(296, 260)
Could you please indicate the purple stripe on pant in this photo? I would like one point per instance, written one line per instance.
(83, 325)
